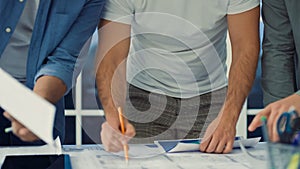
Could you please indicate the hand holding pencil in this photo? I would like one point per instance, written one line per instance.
(112, 136)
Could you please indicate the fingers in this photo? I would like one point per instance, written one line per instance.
(111, 144)
(272, 114)
(130, 131)
(217, 145)
(212, 145)
(26, 135)
(272, 124)
(220, 147)
(229, 146)
(19, 130)
(275, 136)
(23, 133)
(218, 138)
(8, 116)
(205, 143)
(112, 138)
(256, 122)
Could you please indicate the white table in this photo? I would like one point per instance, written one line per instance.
(145, 157)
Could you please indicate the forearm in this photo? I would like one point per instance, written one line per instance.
(241, 77)
(110, 94)
(243, 30)
(114, 42)
(51, 88)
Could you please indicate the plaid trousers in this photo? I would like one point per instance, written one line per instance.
(159, 117)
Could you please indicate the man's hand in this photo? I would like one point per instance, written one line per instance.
(272, 112)
(244, 37)
(21, 131)
(112, 137)
(219, 136)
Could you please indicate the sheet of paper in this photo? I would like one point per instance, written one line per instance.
(142, 151)
(172, 146)
(27, 107)
(258, 159)
(211, 161)
(95, 157)
(140, 157)
(236, 159)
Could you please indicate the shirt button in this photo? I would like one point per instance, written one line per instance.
(21, 0)
(8, 30)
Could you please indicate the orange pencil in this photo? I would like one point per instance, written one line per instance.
(125, 147)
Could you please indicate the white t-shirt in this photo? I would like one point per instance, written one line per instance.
(178, 46)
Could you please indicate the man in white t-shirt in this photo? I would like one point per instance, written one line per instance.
(175, 81)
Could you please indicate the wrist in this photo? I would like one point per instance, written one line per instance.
(230, 114)
(111, 114)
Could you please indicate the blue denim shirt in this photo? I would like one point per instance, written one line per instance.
(61, 29)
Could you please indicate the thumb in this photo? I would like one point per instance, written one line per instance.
(8, 116)
(129, 133)
(130, 130)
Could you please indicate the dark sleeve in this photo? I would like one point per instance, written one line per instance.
(278, 69)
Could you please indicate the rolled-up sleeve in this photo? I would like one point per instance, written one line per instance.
(67, 60)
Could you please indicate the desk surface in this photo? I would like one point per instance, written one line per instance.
(150, 156)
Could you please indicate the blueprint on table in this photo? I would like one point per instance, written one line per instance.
(186, 145)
